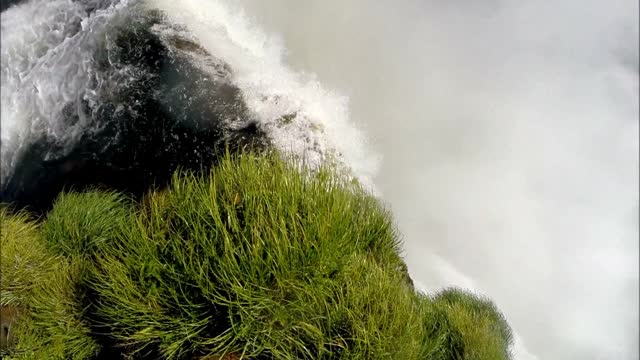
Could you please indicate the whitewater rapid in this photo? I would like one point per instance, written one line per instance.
(503, 135)
(47, 49)
(318, 125)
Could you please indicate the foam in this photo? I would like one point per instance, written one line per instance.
(47, 49)
(299, 115)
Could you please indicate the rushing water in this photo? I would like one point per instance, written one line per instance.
(503, 134)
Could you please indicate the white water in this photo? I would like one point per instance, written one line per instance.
(508, 132)
(321, 128)
(509, 136)
(46, 52)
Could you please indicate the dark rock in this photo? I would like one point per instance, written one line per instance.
(159, 112)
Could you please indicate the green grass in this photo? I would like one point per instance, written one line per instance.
(42, 289)
(465, 326)
(260, 259)
(247, 260)
(79, 222)
(482, 329)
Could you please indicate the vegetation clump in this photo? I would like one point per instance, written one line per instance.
(42, 317)
(260, 259)
(466, 326)
(79, 222)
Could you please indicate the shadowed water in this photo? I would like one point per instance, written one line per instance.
(170, 114)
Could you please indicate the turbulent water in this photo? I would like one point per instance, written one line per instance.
(503, 134)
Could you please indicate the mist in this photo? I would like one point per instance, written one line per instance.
(508, 136)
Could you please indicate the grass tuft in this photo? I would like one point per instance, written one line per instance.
(80, 221)
(262, 258)
(462, 325)
(250, 260)
(40, 289)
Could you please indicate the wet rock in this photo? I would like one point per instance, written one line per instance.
(159, 110)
